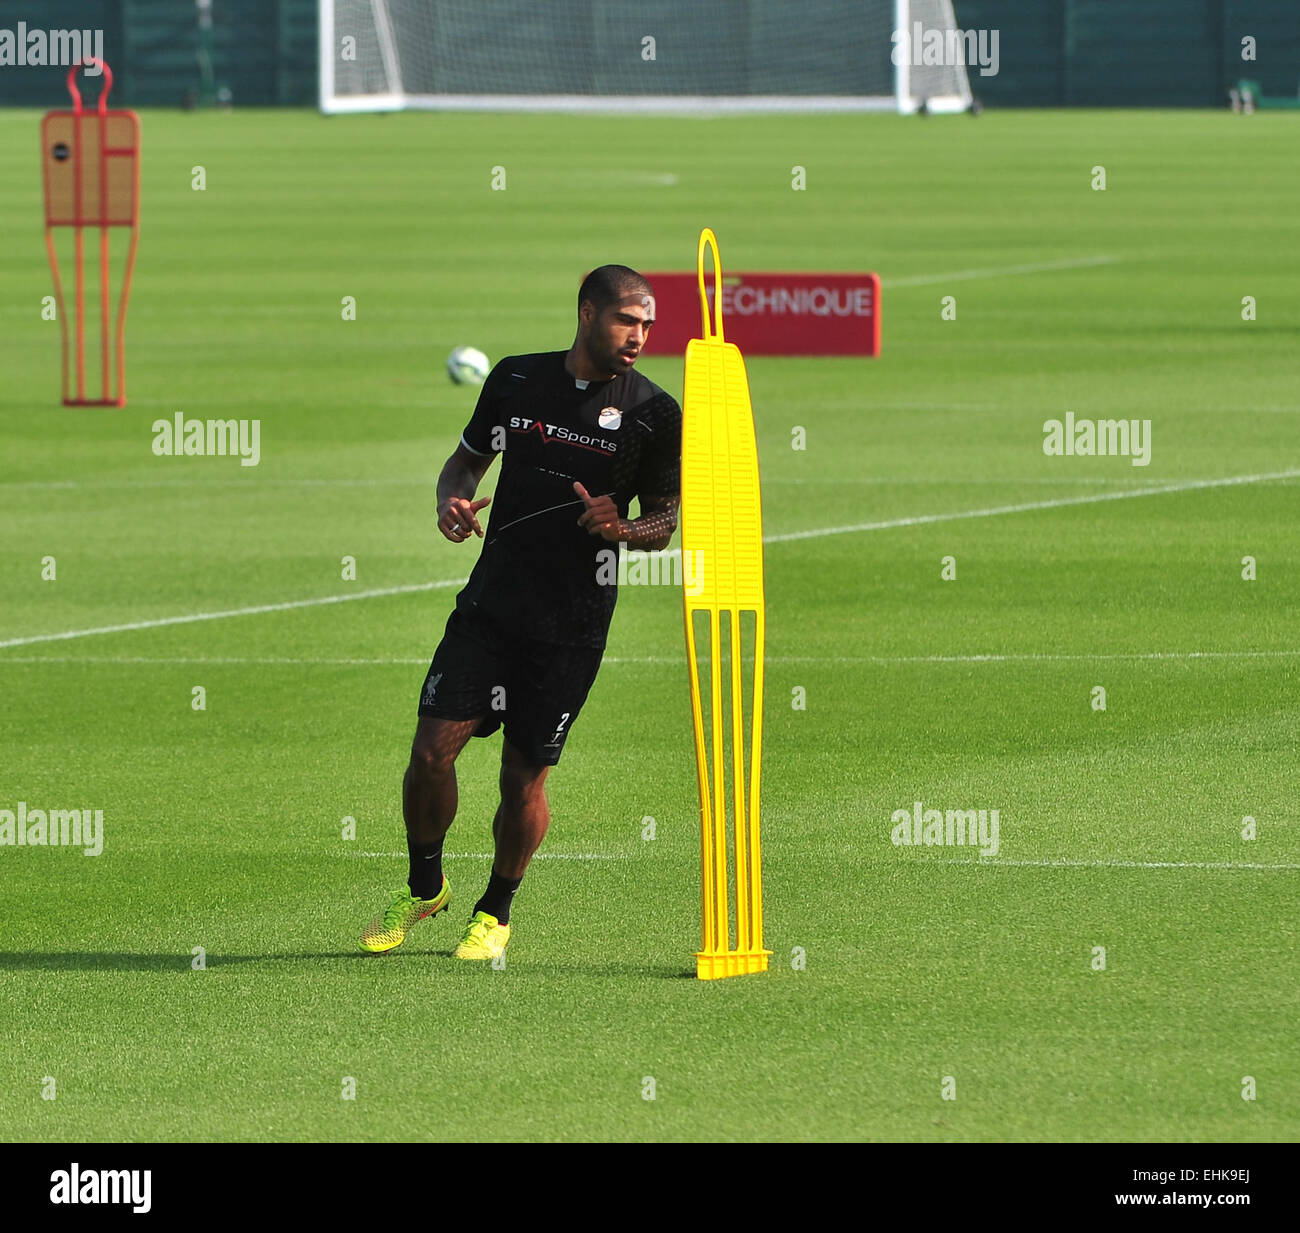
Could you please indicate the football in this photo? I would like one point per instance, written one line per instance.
(468, 366)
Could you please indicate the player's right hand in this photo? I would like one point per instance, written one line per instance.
(457, 518)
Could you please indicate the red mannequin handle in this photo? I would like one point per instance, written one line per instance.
(103, 94)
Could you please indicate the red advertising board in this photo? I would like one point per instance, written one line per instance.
(772, 314)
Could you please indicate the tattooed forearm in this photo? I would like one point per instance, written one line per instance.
(654, 529)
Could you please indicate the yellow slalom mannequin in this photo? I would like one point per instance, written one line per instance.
(722, 571)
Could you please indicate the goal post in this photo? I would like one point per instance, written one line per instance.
(664, 56)
(940, 87)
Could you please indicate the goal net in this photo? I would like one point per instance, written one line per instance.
(657, 55)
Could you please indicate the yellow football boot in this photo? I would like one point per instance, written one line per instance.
(485, 938)
(389, 931)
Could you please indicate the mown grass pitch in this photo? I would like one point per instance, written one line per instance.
(1119, 829)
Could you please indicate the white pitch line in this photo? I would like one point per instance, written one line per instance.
(249, 485)
(1056, 503)
(1068, 864)
(487, 856)
(421, 661)
(1004, 271)
(1027, 657)
(917, 520)
(222, 660)
(192, 617)
(890, 481)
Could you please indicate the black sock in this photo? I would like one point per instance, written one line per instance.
(425, 879)
(496, 899)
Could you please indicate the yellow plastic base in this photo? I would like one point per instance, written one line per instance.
(730, 963)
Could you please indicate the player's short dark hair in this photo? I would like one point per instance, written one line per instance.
(607, 284)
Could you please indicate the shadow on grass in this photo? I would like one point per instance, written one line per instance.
(128, 961)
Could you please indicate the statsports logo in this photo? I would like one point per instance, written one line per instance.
(566, 436)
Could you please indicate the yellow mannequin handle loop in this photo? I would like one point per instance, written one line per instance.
(708, 238)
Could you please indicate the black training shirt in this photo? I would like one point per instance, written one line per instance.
(537, 573)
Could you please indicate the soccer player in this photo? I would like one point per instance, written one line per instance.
(580, 433)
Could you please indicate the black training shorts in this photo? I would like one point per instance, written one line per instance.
(535, 689)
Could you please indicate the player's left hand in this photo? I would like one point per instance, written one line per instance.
(601, 515)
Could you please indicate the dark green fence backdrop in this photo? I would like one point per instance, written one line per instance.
(1136, 53)
(1167, 53)
(263, 51)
